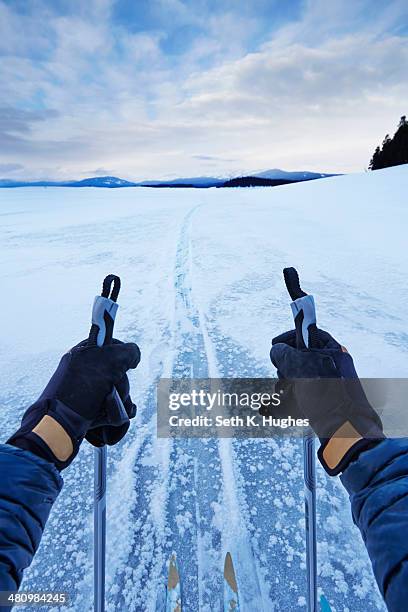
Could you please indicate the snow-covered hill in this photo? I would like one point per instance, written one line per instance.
(94, 181)
(304, 175)
(202, 295)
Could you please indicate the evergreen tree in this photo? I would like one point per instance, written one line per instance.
(375, 160)
(393, 151)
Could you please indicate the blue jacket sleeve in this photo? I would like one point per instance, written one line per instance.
(377, 483)
(29, 486)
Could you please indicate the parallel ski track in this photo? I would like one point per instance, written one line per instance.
(220, 520)
(175, 511)
(201, 513)
(195, 483)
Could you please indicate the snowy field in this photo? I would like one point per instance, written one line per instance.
(202, 294)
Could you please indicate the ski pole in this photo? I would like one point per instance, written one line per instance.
(103, 317)
(304, 314)
(100, 465)
(309, 468)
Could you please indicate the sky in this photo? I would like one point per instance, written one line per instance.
(145, 89)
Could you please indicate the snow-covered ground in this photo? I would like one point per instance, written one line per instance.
(202, 295)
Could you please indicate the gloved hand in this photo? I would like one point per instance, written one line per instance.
(328, 393)
(103, 429)
(79, 395)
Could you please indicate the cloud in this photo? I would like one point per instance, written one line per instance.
(19, 120)
(98, 172)
(212, 158)
(10, 168)
(279, 81)
(82, 88)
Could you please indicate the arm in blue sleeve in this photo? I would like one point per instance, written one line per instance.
(29, 486)
(377, 483)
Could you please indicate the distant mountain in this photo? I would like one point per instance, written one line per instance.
(104, 181)
(276, 173)
(273, 178)
(196, 181)
(209, 181)
(266, 178)
(96, 181)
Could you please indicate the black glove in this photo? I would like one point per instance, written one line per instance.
(103, 429)
(328, 391)
(79, 396)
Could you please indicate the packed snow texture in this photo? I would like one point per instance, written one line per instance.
(202, 295)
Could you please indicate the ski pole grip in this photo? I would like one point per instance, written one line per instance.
(303, 310)
(103, 320)
(304, 315)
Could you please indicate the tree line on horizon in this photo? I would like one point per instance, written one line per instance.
(393, 151)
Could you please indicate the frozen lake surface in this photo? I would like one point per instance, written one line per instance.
(202, 295)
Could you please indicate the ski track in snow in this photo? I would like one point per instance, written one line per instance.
(197, 498)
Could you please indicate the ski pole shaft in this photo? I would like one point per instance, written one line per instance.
(103, 319)
(309, 468)
(304, 314)
(100, 465)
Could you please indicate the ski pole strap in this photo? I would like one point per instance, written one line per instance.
(104, 312)
(111, 282)
(292, 283)
(303, 310)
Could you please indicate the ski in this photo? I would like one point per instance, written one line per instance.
(231, 601)
(173, 593)
(324, 604)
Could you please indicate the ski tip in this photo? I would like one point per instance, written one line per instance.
(174, 578)
(324, 604)
(229, 573)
